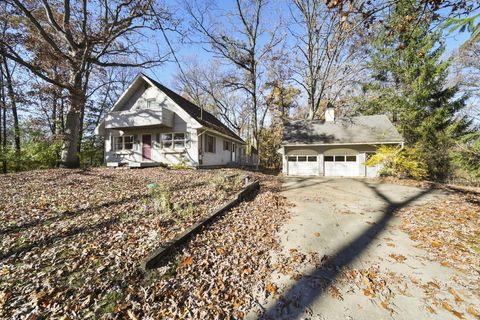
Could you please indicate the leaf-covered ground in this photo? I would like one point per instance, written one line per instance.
(72, 242)
(449, 230)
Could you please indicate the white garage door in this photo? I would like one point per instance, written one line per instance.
(303, 165)
(341, 166)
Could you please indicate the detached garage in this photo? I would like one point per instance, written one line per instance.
(336, 148)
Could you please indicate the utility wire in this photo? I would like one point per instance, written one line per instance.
(174, 55)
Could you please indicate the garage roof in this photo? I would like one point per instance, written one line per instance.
(362, 129)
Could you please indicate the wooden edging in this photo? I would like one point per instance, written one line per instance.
(155, 257)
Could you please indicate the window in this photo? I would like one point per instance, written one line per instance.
(312, 158)
(123, 143)
(328, 158)
(227, 146)
(150, 103)
(179, 140)
(209, 143)
(339, 158)
(351, 158)
(292, 158)
(175, 140)
(302, 158)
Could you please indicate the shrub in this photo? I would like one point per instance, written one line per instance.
(398, 162)
(91, 155)
(162, 198)
(181, 165)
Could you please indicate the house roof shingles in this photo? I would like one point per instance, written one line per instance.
(355, 130)
(207, 120)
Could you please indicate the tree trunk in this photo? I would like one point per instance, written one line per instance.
(54, 114)
(13, 105)
(71, 139)
(4, 142)
(3, 123)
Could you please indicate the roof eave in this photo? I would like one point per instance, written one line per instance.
(287, 144)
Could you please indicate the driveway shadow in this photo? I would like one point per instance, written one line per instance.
(304, 294)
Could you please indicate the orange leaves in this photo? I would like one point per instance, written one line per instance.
(436, 243)
(221, 251)
(271, 288)
(397, 257)
(187, 261)
(471, 309)
(335, 292)
(449, 308)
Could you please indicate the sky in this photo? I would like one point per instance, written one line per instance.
(165, 74)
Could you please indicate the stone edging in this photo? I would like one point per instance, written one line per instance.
(155, 257)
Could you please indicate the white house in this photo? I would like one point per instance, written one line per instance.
(335, 147)
(151, 125)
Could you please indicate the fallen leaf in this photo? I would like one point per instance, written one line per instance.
(473, 311)
(187, 261)
(317, 234)
(271, 288)
(449, 308)
(436, 243)
(398, 258)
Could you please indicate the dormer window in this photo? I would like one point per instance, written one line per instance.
(150, 103)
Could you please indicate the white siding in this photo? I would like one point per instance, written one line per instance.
(220, 157)
(181, 122)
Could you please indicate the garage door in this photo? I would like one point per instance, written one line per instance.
(341, 166)
(303, 165)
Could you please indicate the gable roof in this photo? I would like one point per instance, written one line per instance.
(207, 120)
(355, 130)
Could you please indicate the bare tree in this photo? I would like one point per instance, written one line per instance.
(325, 51)
(82, 35)
(3, 123)
(12, 98)
(209, 88)
(242, 40)
(467, 75)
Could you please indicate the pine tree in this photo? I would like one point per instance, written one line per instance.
(409, 84)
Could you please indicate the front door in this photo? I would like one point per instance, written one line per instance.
(147, 147)
(233, 153)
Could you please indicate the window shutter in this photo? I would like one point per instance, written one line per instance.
(205, 148)
(112, 144)
(214, 144)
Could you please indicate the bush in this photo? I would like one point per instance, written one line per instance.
(91, 155)
(466, 155)
(398, 162)
(37, 154)
(162, 198)
(181, 165)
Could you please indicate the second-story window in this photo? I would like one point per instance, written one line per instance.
(150, 104)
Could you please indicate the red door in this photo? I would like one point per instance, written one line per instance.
(147, 147)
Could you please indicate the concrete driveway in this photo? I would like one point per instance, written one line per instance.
(347, 224)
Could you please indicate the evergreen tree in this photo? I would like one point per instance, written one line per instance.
(409, 84)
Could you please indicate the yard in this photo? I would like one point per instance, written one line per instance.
(72, 241)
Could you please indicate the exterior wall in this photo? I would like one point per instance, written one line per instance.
(166, 156)
(321, 151)
(220, 157)
(182, 122)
